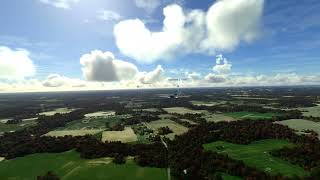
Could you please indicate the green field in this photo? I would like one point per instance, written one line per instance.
(311, 111)
(301, 125)
(229, 177)
(91, 123)
(217, 117)
(15, 127)
(69, 166)
(175, 127)
(251, 115)
(183, 110)
(58, 110)
(257, 155)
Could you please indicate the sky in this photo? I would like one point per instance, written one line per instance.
(58, 45)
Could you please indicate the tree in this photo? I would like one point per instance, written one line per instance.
(119, 159)
(49, 176)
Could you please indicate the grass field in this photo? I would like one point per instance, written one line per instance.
(257, 155)
(217, 117)
(61, 133)
(250, 115)
(204, 103)
(58, 110)
(175, 127)
(229, 177)
(91, 123)
(15, 127)
(301, 125)
(182, 110)
(101, 114)
(69, 166)
(127, 135)
(151, 110)
(311, 111)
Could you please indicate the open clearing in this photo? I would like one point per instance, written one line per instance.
(101, 114)
(183, 110)
(69, 166)
(127, 135)
(4, 120)
(257, 155)
(204, 103)
(15, 127)
(60, 133)
(91, 123)
(251, 115)
(175, 127)
(301, 125)
(151, 110)
(58, 110)
(217, 117)
(311, 111)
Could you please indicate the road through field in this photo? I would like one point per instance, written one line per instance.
(164, 144)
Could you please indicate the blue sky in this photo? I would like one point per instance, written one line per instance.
(288, 40)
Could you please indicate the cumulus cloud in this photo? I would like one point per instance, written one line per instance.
(215, 78)
(107, 15)
(56, 80)
(231, 21)
(102, 66)
(15, 64)
(222, 65)
(194, 76)
(154, 76)
(223, 27)
(65, 4)
(148, 5)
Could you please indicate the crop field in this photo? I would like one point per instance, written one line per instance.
(61, 133)
(189, 121)
(311, 111)
(91, 123)
(15, 127)
(301, 125)
(127, 135)
(58, 110)
(204, 103)
(183, 110)
(101, 114)
(257, 155)
(175, 127)
(4, 120)
(251, 115)
(151, 110)
(217, 117)
(69, 166)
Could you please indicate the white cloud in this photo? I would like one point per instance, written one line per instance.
(65, 4)
(102, 66)
(148, 5)
(231, 21)
(222, 65)
(154, 76)
(223, 27)
(194, 76)
(215, 78)
(56, 80)
(15, 64)
(107, 15)
(135, 40)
